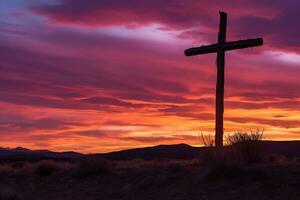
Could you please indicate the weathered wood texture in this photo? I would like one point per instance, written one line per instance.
(220, 80)
(241, 44)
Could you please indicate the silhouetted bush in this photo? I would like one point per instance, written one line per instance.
(247, 146)
(239, 137)
(225, 169)
(91, 167)
(232, 162)
(227, 165)
(45, 168)
(207, 140)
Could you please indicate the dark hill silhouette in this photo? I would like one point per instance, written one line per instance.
(184, 151)
(177, 151)
(287, 148)
(21, 153)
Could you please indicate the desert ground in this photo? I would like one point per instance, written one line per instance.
(211, 175)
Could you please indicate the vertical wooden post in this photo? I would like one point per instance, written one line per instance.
(220, 81)
(220, 48)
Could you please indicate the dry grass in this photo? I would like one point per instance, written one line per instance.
(92, 167)
(246, 145)
(46, 168)
(94, 178)
(207, 140)
(242, 137)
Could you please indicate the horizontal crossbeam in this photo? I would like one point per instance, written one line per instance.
(241, 44)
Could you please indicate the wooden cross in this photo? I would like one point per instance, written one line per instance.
(220, 48)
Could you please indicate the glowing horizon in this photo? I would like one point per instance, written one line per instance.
(109, 75)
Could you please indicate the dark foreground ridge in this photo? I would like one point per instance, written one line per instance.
(168, 172)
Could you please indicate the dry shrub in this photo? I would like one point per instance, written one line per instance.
(246, 146)
(224, 169)
(45, 168)
(41, 168)
(220, 164)
(240, 137)
(207, 140)
(232, 162)
(92, 167)
(226, 165)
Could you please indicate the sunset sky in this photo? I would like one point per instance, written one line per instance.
(104, 75)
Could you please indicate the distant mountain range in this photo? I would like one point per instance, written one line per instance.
(177, 151)
(21, 153)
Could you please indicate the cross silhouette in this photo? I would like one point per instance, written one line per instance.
(220, 49)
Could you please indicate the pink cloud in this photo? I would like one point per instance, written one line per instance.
(74, 83)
